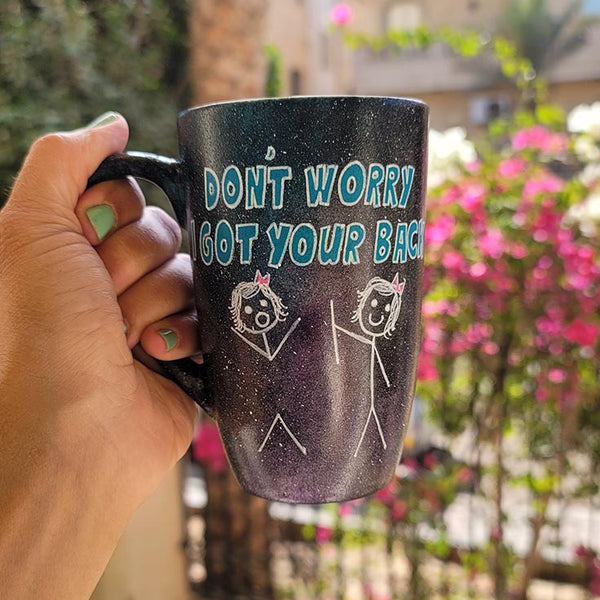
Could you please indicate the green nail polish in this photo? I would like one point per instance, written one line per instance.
(104, 119)
(170, 338)
(102, 219)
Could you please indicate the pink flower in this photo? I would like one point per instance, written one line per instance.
(542, 394)
(430, 461)
(540, 138)
(490, 348)
(411, 464)
(341, 14)
(472, 197)
(465, 475)
(519, 251)
(451, 195)
(546, 184)
(511, 167)
(386, 495)
(453, 260)
(439, 231)
(399, 510)
(478, 332)
(208, 449)
(491, 243)
(434, 307)
(323, 534)
(581, 333)
(556, 375)
(548, 326)
(478, 271)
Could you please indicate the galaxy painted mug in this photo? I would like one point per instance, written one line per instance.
(306, 224)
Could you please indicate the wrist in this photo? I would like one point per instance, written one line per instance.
(60, 521)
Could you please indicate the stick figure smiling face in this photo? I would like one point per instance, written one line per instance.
(255, 307)
(379, 306)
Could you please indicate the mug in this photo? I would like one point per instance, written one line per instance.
(306, 224)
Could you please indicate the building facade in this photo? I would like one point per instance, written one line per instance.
(459, 91)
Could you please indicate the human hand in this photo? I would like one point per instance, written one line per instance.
(87, 431)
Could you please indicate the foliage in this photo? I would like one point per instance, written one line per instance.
(541, 36)
(511, 317)
(273, 84)
(64, 62)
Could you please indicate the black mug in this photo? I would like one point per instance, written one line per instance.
(306, 225)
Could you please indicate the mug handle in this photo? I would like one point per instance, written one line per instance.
(166, 174)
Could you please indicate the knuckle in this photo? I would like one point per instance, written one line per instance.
(137, 195)
(169, 227)
(51, 144)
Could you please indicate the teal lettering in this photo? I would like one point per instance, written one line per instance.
(408, 173)
(224, 242)
(206, 244)
(355, 236)
(211, 188)
(400, 251)
(392, 174)
(319, 184)
(330, 251)
(278, 176)
(233, 187)
(383, 245)
(351, 184)
(256, 187)
(279, 238)
(374, 180)
(303, 244)
(245, 234)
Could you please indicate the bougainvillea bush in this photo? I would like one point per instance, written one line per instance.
(512, 315)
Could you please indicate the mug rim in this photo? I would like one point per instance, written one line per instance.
(304, 98)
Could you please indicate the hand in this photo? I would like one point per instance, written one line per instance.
(87, 432)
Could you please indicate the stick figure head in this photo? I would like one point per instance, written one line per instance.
(379, 306)
(255, 307)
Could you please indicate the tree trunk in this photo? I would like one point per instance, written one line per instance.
(227, 58)
(228, 62)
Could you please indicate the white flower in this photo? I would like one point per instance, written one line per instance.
(590, 175)
(587, 149)
(585, 118)
(586, 215)
(448, 152)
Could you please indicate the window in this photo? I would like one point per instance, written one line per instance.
(403, 15)
(483, 109)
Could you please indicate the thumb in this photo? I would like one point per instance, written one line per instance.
(58, 166)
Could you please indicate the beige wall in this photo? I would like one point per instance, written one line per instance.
(149, 561)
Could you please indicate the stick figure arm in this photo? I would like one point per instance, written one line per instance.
(285, 337)
(252, 344)
(356, 336)
(387, 381)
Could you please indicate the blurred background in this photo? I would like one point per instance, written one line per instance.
(497, 492)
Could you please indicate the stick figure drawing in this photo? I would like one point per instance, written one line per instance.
(256, 309)
(377, 314)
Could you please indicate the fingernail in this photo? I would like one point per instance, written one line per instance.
(104, 119)
(101, 218)
(170, 338)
